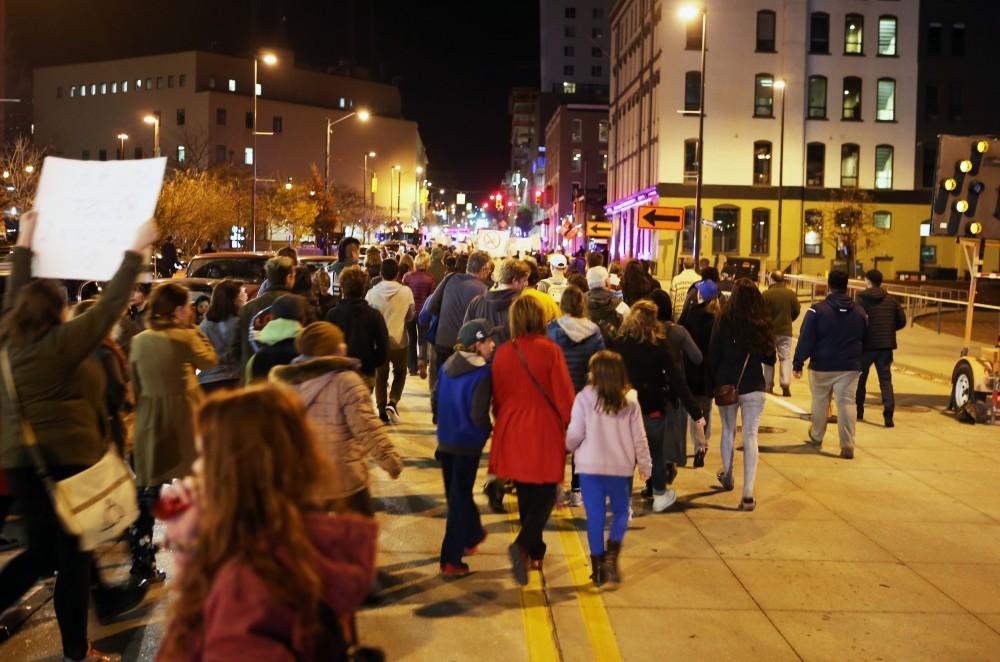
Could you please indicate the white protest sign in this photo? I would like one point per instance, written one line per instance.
(89, 212)
(493, 242)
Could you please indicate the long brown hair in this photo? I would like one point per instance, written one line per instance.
(642, 324)
(261, 470)
(163, 302)
(610, 380)
(225, 301)
(744, 315)
(38, 308)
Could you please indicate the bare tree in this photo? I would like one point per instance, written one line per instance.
(850, 220)
(20, 166)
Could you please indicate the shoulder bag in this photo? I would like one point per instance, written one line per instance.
(729, 394)
(95, 505)
(552, 405)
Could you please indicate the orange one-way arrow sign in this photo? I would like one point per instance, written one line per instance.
(598, 229)
(661, 218)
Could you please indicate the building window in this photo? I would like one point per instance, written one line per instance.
(72, 91)
(765, 31)
(576, 131)
(602, 131)
(887, 35)
(958, 39)
(232, 85)
(883, 167)
(726, 238)
(934, 32)
(149, 83)
(159, 82)
(691, 161)
(883, 220)
(595, 70)
(852, 99)
(220, 153)
(597, 13)
(687, 236)
(885, 100)
(570, 12)
(137, 153)
(955, 102)
(692, 90)
(102, 155)
(83, 90)
(762, 162)
(819, 33)
(928, 253)
(568, 51)
(211, 82)
(220, 116)
(815, 164)
(248, 120)
(597, 33)
(693, 36)
(114, 87)
(180, 117)
(85, 155)
(812, 233)
(170, 81)
(576, 164)
(181, 154)
(59, 92)
(569, 88)
(849, 157)
(93, 89)
(763, 97)
(931, 106)
(568, 69)
(817, 97)
(138, 84)
(760, 232)
(854, 25)
(929, 165)
(181, 80)
(104, 88)
(604, 161)
(595, 51)
(258, 89)
(248, 156)
(277, 124)
(569, 32)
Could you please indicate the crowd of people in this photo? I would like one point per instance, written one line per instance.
(249, 423)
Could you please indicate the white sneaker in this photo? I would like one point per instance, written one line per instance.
(575, 498)
(392, 413)
(663, 501)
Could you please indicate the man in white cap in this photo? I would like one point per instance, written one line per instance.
(556, 283)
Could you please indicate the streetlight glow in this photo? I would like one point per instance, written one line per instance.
(364, 115)
(779, 84)
(29, 169)
(6, 174)
(371, 155)
(688, 12)
(270, 59)
(397, 168)
(288, 186)
(420, 170)
(150, 119)
(122, 136)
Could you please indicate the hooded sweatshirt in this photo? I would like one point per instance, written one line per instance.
(242, 614)
(461, 403)
(493, 307)
(885, 318)
(832, 335)
(364, 331)
(395, 302)
(604, 309)
(607, 444)
(579, 339)
(278, 336)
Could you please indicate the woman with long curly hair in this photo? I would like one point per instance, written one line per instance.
(264, 570)
(636, 283)
(742, 344)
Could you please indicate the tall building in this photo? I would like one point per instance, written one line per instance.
(575, 43)
(524, 177)
(205, 108)
(843, 119)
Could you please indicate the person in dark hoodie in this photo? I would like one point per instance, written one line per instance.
(699, 320)
(832, 339)
(494, 305)
(604, 308)
(278, 337)
(347, 256)
(363, 326)
(461, 405)
(450, 301)
(885, 318)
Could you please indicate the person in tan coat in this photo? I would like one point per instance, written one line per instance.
(167, 393)
(339, 407)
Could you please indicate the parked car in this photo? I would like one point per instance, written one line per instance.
(204, 271)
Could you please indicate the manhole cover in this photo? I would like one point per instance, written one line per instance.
(765, 429)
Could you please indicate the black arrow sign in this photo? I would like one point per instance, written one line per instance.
(652, 217)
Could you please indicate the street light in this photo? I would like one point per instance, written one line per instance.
(399, 186)
(154, 119)
(270, 59)
(363, 116)
(416, 192)
(366, 186)
(122, 137)
(780, 85)
(29, 169)
(689, 13)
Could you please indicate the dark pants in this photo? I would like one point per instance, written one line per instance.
(882, 360)
(141, 533)
(397, 364)
(534, 505)
(463, 528)
(655, 429)
(49, 549)
(411, 348)
(441, 355)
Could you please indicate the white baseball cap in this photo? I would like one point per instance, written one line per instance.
(557, 261)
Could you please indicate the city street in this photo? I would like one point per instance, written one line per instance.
(894, 555)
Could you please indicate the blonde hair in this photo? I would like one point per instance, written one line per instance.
(526, 317)
(642, 324)
(610, 380)
(422, 261)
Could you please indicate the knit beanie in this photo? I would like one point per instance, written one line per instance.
(319, 339)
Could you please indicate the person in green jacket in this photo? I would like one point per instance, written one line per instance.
(60, 385)
(167, 393)
(783, 304)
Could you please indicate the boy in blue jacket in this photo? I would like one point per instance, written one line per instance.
(461, 405)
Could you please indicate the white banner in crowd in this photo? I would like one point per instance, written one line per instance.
(493, 242)
(88, 214)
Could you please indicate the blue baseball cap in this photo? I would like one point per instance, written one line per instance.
(707, 289)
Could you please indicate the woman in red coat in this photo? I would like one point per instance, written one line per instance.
(532, 402)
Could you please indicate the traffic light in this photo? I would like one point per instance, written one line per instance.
(967, 199)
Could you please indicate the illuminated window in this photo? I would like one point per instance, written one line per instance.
(72, 90)
(258, 89)
(114, 87)
(149, 83)
(817, 97)
(883, 220)
(576, 131)
(765, 31)
(602, 131)
(576, 165)
(763, 98)
(883, 167)
(248, 156)
(850, 154)
(124, 86)
(181, 154)
(885, 100)
(93, 89)
(83, 90)
(604, 161)
(760, 231)
(569, 88)
(762, 162)
(726, 237)
(852, 99)
(854, 25)
(138, 84)
(232, 84)
(687, 236)
(104, 88)
(812, 233)
(887, 35)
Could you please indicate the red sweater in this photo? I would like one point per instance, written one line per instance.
(529, 440)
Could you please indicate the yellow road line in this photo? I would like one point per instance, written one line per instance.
(539, 631)
(595, 616)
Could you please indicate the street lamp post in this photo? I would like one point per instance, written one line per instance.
(270, 59)
(365, 186)
(780, 84)
(399, 188)
(689, 13)
(122, 137)
(154, 119)
(416, 193)
(363, 116)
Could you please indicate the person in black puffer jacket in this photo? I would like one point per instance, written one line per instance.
(363, 326)
(885, 318)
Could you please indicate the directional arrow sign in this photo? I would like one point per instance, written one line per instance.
(661, 218)
(598, 230)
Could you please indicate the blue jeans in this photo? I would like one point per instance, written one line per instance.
(463, 528)
(882, 360)
(595, 490)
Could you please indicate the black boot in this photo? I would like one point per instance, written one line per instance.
(494, 494)
(110, 601)
(611, 571)
(597, 563)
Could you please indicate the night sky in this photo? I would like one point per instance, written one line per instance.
(454, 60)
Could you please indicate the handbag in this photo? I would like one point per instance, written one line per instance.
(538, 386)
(95, 505)
(729, 394)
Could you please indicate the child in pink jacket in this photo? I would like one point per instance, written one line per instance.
(607, 438)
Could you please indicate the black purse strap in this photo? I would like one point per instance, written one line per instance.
(740, 380)
(534, 381)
